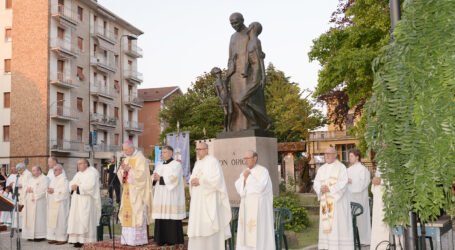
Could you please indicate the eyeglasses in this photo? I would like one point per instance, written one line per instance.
(247, 158)
(330, 153)
(198, 149)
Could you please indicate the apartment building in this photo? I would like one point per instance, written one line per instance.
(73, 76)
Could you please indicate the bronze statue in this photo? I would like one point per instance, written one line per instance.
(246, 84)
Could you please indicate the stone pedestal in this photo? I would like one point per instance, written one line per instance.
(230, 153)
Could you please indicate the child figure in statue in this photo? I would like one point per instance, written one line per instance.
(222, 91)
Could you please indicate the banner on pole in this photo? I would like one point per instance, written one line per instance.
(158, 155)
(181, 144)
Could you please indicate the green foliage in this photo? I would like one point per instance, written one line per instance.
(291, 114)
(300, 219)
(411, 115)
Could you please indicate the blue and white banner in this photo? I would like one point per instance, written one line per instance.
(158, 155)
(181, 144)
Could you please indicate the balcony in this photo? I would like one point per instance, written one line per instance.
(102, 121)
(103, 147)
(133, 101)
(64, 48)
(65, 14)
(63, 113)
(330, 136)
(134, 51)
(100, 32)
(65, 146)
(103, 64)
(134, 127)
(102, 90)
(62, 81)
(133, 76)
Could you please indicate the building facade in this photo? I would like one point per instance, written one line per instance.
(155, 100)
(73, 80)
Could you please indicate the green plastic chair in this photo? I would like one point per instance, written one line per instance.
(105, 221)
(356, 210)
(230, 243)
(281, 217)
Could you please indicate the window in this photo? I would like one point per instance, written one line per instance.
(116, 31)
(6, 133)
(116, 136)
(6, 103)
(60, 33)
(116, 112)
(116, 59)
(95, 107)
(94, 19)
(8, 35)
(79, 104)
(116, 85)
(80, 42)
(79, 134)
(7, 65)
(80, 73)
(8, 4)
(80, 13)
(60, 69)
(95, 47)
(131, 137)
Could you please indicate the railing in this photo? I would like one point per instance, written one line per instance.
(103, 119)
(134, 49)
(103, 147)
(108, 35)
(133, 125)
(322, 135)
(102, 89)
(65, 12)
(64, 44)
(62, 77)
(104, 62)
(65, 145)
(133, 74)
(64, 112)
(134, 99)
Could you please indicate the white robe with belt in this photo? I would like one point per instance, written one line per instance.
(210, 211)
(256, 225)
(360, 177)
(341, 236)
(85, 211)
(57, 209)
(34, 211)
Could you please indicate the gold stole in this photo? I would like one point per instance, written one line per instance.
(251, 207)
(328, 201)
(54, 207)
(127, 209)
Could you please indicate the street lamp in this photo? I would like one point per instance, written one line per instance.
(130, 38)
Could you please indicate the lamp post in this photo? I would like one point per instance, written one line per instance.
(130, 38)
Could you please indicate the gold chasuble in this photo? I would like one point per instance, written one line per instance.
(328, 201)
(136, 191)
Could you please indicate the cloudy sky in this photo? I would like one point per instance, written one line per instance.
(183, 39)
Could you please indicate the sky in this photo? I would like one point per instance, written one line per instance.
(183, 39)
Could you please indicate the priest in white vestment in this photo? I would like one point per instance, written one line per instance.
(380, 229)
(85, 211)
(11, 180)
(335, 220)
(24, 177)
(136, 208)
(358, 182)
(210, 211)
(51, 163)
(169, 200)
(34, 211)
(58, 203)
(256, 224)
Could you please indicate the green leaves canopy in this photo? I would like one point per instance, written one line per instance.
(411, 115)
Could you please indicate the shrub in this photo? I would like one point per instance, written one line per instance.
(300, 219)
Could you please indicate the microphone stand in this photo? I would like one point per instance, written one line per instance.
(110, 185)
(16, 211)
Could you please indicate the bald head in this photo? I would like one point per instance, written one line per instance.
(236, 20)
(250, 158)
(330, 155)
(202, 150)
(128, 148)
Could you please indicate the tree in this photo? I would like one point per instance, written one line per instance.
(411, 115)
(360, 29)
(291, 114)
